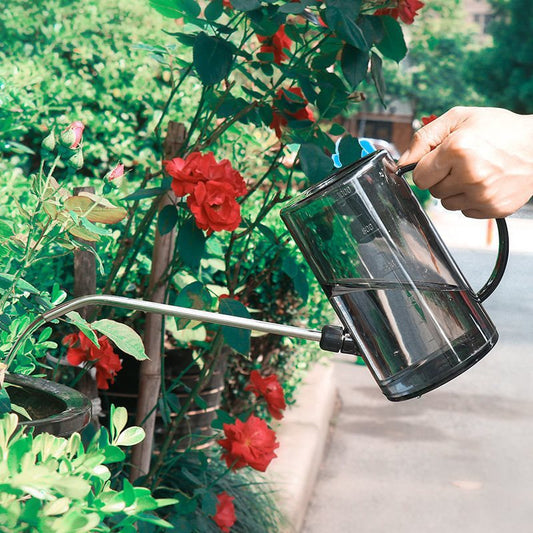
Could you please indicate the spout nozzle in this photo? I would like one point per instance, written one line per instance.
(334, 339)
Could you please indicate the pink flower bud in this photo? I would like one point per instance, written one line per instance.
(71, 136)
(117, 172)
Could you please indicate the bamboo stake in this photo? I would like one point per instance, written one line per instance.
(150, 370)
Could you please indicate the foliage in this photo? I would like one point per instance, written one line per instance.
(59, 60)
(503, 71)
(53, 221)
(435, 72)
(257, 87)
(197, 479)
(57, 484)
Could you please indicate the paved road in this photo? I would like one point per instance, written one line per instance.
(459, 459)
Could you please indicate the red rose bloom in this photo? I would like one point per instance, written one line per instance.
(196, 167)
(225, 515)
(214, 206)
(271, 390)
(276, 44)
(106, 361)
(251, 443)
(427, 120)
(289, 107)
(406, 10)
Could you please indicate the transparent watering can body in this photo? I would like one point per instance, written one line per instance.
(403, 303)
(396, 289)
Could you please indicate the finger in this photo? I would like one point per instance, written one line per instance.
(430, 136)
(431, 169)
(476, 213)
(459, 202)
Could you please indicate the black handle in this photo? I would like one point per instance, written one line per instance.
(503, 249)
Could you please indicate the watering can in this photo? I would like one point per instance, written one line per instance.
(404, 305)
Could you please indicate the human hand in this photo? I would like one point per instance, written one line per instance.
(476, 160)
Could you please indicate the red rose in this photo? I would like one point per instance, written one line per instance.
(197, 167)
(276, 44)
(225, 515)
(106, 361)
(251, 443)
(214, 206)
(285, 106)
(406, 10)
(271, 390)
(427, 120)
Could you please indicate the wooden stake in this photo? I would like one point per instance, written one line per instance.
(150, 371)
(84, 284)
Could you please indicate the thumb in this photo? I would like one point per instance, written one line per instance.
(432, 135)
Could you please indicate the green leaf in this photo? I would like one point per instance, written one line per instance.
(19, 410)
(246, 5)
(214, 10)
(176, 8)
(113, 454)
(289, 266)
(336, 129)
(292, 8)
(119, 419)
(316, 165)
(349, 150)
(76, 319)
(5, 402)
(88, 225)
(323, 61)
(331, 102)
(131, 436)
(191, 243)
(212, 58)
(7, 279)
(209, 503)
(354, 64)
(376, 69)
(341, 16)
(5, 229)
(123, 336)
(222, 418)
(145, 193)
(167, 219)
(392, 45)
(193, 296)
(236, 338)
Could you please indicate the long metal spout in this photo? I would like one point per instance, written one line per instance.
(331, 338)
(181, 312)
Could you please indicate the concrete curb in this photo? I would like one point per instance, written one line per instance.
(303, 435)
